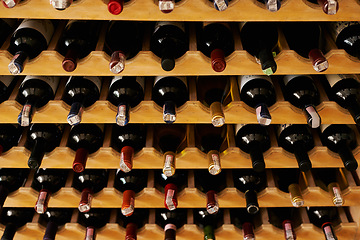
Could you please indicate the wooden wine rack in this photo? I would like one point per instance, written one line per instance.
(193, 63)
(185, 10)
(193, 111)
(191, 197)
(231, 156)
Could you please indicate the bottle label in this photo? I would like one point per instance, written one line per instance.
(288, 231)
(334, 78)
(288, 78)
(183, 79)
(139, 80)
(169, 199)
(95, 80)
(337, 27)
(6, 80)
(52, 81)
(282, 127)
(243, 79)
(180, 25)
(328, 233)
(45, 27)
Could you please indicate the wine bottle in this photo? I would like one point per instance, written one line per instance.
(6, 25)
(9, 137)
(324, 217)
(167, 6)
(61, 4)
(216, 42)
(122, 42)
(305, 39)
(169, 140)
(53, 219)
(169, 41)
(327, 180)
(89, 182)
(250, 183)
(77, 41)
(287, 180)
(35, 92)
(212, 92)
(170, 221)
(208, 222)
(340, 138)
(210, 140)
(13, 219)
(116, 6)
(133, 223)
(259, 39)
(258, 92)
(301, 92)
(28, 41)
(128, 140)
(11, 179)
(129, 184)
(296, 139)
(94, 219)
(125, 93)
(254, 140)
(245, 221)
(271, 5)
(285, 219)
(170, 93)
(345, 91)
(211, 185)
(7, 84)
(171, 186)
(329, 7)
(80, 93)
(85, 139)
(346, 35)
(47, 182)
(42, 138)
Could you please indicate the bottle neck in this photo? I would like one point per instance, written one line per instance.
(37, 153)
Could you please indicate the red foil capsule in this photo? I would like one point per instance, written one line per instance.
(126, 157)
(248, 231)
(170, 201)
(115, 6)
(218, 62)
(131, 229)
(85, 201)
(42, 201)
(128, 205)
(80, 160)
(212, 205)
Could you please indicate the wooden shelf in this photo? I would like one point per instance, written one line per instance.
(188, 10)
(344, 231)
(190, 197)
(231, 156)
(192, 63)
(193, 111)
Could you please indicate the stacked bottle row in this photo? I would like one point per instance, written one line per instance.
(208, 9)
(246, 98)
(104, 223)
(111, 146)
(185, 189)
(221, 44)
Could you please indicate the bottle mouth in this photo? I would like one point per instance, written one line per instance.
(252, 209)
(169, 118)
(84, 207)
(68, 65)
